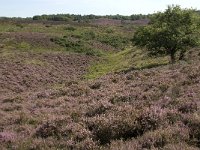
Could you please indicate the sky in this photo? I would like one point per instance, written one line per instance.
(29, 8)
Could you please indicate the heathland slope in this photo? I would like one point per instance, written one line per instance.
(137, 102)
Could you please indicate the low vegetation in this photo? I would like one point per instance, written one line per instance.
(83, 86)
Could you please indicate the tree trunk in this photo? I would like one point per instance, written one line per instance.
(172, 56)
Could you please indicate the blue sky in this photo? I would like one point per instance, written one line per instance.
(29, 8)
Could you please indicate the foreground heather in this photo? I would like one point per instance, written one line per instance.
(155, 108)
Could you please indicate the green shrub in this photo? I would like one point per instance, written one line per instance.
(77, 46)
(88, 35)
(116, 41)
(20, 25)
(70, 28)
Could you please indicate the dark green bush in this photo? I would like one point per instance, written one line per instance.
(70, 28)
(116, 41)
(88, 35)
(77, 46)
(96, 85)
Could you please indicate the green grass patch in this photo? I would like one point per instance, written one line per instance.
(141, 60)
(23, 46)
(4, 53)
(110, 63)
(124, 60)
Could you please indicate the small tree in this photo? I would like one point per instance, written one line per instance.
(169, 32)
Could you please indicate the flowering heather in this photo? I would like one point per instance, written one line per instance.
(44, 104)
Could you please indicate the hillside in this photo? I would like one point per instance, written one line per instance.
(83, 86)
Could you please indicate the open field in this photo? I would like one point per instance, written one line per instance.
(82, 86)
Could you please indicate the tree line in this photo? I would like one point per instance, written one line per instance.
(83, 18)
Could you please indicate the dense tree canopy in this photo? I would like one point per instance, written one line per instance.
(82, 18)
(169, 32)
